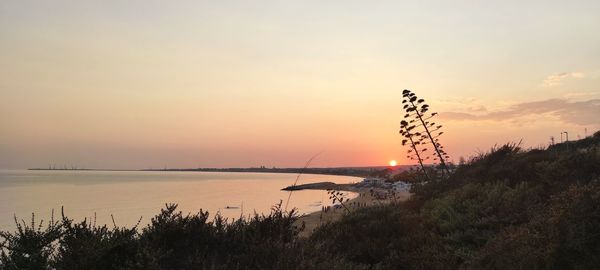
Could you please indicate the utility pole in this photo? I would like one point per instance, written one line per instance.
(561, 137)
(567, 138)
(551, 140)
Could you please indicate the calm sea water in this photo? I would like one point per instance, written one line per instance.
(131, 195)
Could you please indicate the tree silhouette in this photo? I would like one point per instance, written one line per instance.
(419, 129)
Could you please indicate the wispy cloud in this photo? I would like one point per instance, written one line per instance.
(556, 79)
(581, 95)
(579, 112)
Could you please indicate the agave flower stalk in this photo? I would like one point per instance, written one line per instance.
(405, 131)
(417, 109)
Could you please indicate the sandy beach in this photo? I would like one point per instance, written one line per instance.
(365, 198)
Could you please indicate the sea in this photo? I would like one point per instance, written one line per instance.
(130, 197)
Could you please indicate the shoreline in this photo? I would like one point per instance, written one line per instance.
(321, 186)
(367, 197)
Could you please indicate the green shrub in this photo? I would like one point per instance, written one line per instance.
(30, 247)
(87, 246)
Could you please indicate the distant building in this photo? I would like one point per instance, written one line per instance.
(401, 186)
(373, 181)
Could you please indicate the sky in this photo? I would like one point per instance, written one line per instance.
(180, 84)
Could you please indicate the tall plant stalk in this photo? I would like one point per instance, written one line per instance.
(431, 138)
(406, 132)
(298, 178)
(417, 119)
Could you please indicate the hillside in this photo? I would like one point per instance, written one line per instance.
(507, 209)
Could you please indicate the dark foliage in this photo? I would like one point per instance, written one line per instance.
(87, 246)
(171, 241)
(30, 247)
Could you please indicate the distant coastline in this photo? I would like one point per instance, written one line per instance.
(344, 171)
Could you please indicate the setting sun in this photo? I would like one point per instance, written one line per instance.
(393, 163)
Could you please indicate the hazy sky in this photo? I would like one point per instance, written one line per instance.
(140, 84)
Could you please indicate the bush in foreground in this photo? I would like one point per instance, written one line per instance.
(171, 241)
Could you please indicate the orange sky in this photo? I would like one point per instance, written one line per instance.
(142, 84)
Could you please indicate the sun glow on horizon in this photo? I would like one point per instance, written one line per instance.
(393, 163)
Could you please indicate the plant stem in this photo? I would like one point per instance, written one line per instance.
(442, 162)
(412, 143)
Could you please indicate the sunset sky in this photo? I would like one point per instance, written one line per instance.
(149, 84)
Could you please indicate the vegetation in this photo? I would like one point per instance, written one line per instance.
(506, 209)
(337, 196)
(419, 132)
(509, 208)
(171, 241)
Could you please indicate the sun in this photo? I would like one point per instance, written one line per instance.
(393, 163)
